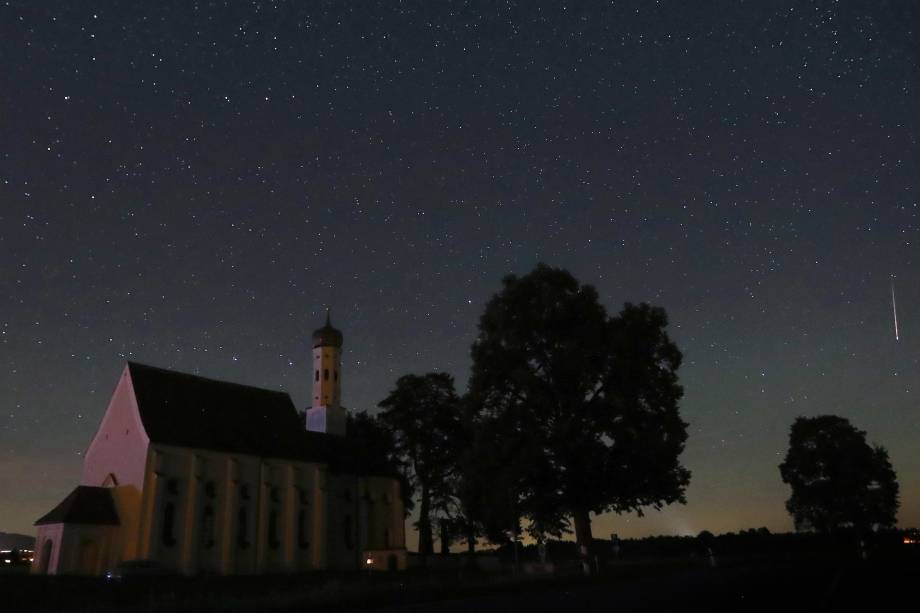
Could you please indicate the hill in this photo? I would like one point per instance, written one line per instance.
(10, 540)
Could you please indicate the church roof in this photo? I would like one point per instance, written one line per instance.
(84, 505)
(190, 411)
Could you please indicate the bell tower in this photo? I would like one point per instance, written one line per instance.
(326, 413)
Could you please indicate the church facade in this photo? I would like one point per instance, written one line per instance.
(205, 476)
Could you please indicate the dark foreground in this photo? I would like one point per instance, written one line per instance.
(740, 588)
(798, 583)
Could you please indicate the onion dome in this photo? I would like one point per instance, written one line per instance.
(327, 336)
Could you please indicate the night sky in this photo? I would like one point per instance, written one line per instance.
(191, 184)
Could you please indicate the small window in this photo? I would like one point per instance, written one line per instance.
(244, 492)
(335, 375)
(349, 532)
(210, 489)
(325, 374)
(172, 487)
(275, 494)
(169, 525)
(317, 375)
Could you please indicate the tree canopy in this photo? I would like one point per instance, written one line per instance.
(838, 480)
(584, 405)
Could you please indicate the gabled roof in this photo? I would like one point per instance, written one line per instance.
(84, 505)
(190, 411)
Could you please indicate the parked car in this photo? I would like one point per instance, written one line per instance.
(137, 569)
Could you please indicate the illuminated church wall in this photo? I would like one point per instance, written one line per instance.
(200, 510)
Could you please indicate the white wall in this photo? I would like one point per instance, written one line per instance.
(296, 486)
(120, 444)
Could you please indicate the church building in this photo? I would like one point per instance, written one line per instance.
(205, 476)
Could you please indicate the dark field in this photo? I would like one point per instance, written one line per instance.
(800, 582)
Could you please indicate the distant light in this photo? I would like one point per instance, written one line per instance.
(8, 561)
(369, 561)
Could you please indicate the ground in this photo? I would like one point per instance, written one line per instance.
(753, 584)
(741, 588)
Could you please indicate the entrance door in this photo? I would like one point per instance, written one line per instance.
(44, 557)
(89, 555)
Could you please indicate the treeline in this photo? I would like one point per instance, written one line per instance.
(571, 411)
(743, 544)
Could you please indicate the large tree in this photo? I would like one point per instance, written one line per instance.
(838, 480)
(374, 451)
(422, 411)
(591, 399)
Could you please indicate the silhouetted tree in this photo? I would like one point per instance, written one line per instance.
(373, 449)
(591, 400)
(423, 414)
(497, 485)
(838, 480)
(459, 515)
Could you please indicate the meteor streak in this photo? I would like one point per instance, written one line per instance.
(894, 309)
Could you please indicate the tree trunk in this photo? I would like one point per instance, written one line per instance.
(583, 538)
(425, 539)
(470, 534)
(445, 538)
(470, 540)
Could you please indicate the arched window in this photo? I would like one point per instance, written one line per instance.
(207, 527)
(44, 560)
(386, 538)
(303, 530)
(273, 540)
(317, 375)
(169, 524)
(88, 555)
(335, 375)
(242, 528)
(349, 533)
(325, 374)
